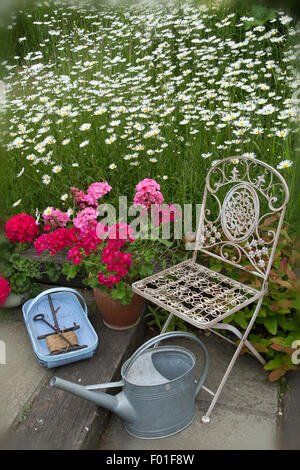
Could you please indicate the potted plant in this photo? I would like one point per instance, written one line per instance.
(109, 263)
(108, 256)
(17, 274)
(121, 264)
(22, 274)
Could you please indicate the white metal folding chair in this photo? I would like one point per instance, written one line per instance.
(241, 216)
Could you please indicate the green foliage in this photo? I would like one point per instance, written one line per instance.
(261, 15)
(24, 413)
(158, 316)
(20, 283)
(123, 293)
(142, 266)
(278, 322)
(52, 270)
(70, 270)
(24, 273)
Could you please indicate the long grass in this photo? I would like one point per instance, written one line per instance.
(186, 82)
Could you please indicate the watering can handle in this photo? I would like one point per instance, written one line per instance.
(174, 334)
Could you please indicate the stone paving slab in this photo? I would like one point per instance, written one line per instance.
(20, 376)
(244, 418)
(231, 430)
(37, 416)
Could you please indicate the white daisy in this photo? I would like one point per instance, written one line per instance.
(85, 127)
(57, 169)
(21, 172)
(285, 164)
(110, 140)
(17, 202)
(48, 211)
(46, 179)
(282, 133)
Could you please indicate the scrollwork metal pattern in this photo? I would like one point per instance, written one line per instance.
(248, 198)
(239, 212)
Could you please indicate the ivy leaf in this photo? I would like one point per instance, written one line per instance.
(7, 271)
(122, 293)
(133, 271)
(15, 258)
(20, 283)
(92, 282)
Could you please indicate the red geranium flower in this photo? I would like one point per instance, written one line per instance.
(21, 228)
(4, 290)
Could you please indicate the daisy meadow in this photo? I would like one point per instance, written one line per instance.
(156, 88)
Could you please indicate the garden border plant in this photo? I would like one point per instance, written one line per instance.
(278, 323)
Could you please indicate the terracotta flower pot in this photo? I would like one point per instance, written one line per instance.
(118, 316)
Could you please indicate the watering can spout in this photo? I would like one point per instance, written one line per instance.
(118, 404)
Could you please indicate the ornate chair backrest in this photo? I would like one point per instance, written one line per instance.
(243, 208)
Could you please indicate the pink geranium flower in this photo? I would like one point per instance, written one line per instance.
(95, 191)
(85, 218)
(147, 193)
(56, 218)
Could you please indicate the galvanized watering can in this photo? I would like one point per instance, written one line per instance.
(159, 389)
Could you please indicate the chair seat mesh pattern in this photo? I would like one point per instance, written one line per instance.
(195, 293)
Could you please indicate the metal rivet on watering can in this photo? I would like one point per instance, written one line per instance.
(159, 390)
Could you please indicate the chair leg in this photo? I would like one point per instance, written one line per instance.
(234, 330)
(206, 417)
(164, 328)
(166, 324)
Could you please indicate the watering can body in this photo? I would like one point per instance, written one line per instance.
(159, 389)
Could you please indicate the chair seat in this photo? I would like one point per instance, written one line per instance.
(195, 293)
